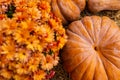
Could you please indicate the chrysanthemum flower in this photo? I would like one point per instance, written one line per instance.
(30, 39)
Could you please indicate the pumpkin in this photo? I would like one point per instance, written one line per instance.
(92, 51)
(67, 10)
(100, 5)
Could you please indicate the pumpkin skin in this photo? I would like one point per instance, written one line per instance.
(93, 49)
(67, 10)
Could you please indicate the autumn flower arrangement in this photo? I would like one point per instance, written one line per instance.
(30, 40)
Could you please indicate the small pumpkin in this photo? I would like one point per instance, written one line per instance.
(67, 10)
(100, 5)
(93, 49)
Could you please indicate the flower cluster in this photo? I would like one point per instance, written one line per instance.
(30, 39)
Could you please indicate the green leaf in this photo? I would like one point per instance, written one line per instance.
(51, 52)
(10, 11)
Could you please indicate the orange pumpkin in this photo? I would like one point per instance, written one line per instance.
(93, 49)
(67, 10)
(99, 5)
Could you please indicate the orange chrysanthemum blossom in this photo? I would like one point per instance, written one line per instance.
(30, 40)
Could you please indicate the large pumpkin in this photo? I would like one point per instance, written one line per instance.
(93, 49)
(67, 10)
